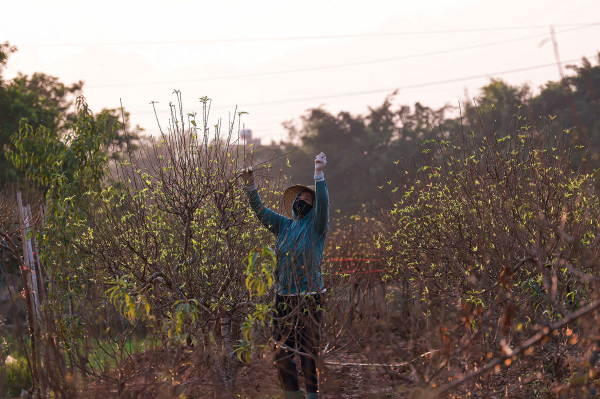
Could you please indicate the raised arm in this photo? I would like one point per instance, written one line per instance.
(321, 203)
(271, 220)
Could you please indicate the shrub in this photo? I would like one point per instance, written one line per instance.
(497, 239)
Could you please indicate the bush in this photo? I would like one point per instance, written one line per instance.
(496, 240)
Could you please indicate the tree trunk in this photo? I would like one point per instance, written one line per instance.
(216, 371)
(230, 360)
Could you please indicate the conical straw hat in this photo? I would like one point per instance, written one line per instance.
(290, 194)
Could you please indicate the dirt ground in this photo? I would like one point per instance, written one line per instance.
(259, 380)
(526, 378)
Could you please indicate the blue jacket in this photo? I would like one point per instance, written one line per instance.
(300, 241)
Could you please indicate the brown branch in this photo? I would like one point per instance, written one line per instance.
(545, 332)
(9, 249)
(516, 269)
(159, 276)
(581, 275)
(9, 241)
(379, 364)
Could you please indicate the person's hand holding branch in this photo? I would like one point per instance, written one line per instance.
(248, 175)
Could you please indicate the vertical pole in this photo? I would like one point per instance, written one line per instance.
(35, 255)
(28, 291)
(35, 292)
(50, 276)
(28, 255)
(41, 299)
(576, 116)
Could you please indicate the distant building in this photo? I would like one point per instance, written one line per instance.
(246, 138)
(260, 153)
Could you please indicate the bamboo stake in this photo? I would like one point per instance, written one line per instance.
(28, 253)
(26, 273)
(45, 316)
(36, 261)
(35, 292)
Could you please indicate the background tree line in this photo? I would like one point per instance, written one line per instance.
(362, 148)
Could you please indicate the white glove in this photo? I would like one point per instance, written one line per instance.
(320, 162)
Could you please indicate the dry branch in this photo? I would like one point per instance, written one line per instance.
(544, 332)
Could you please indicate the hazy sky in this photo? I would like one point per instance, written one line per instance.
(140, 51)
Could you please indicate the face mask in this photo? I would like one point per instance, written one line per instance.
(301, 207)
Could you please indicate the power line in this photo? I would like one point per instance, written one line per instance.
(294, 38)
(405, 57)
(412, 86)
(387, 90)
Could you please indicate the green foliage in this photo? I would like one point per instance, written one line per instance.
(186, 311)
(130, 306)
(126, 139)
(584, 84)
(40, 99)
(72, 327)
(497, 105)
(73, 169)
(41, 105)
(76, 160)
(15, 374)
(492, 211)
(262, 263)
(261, 267)
(168, 233)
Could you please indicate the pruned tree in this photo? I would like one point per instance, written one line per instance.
(498, 236)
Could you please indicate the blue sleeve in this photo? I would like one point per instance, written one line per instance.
(271, 220)
(321, 207)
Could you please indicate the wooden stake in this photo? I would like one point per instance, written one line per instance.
(26, 270)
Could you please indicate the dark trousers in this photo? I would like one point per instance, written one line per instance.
(297, 324)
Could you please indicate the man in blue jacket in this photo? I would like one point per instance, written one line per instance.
(300, 239)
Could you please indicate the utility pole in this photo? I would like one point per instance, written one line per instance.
(581, 138)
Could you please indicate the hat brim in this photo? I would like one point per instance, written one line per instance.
(290, 194)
